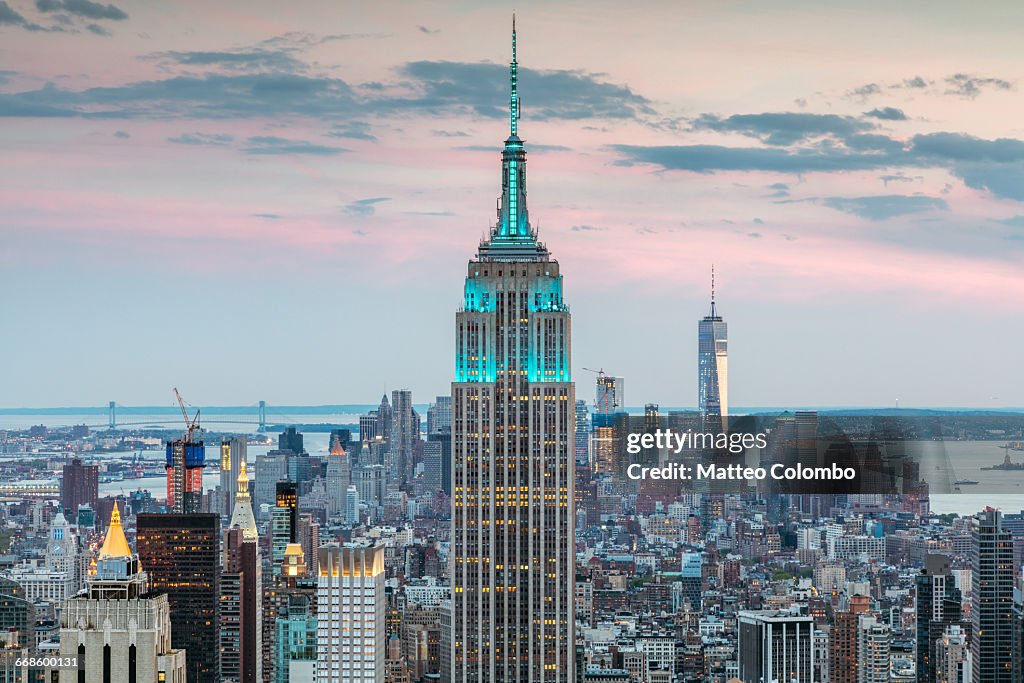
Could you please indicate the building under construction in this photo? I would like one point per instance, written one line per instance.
(186, 458)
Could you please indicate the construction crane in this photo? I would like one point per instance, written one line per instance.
(191, 424)
(599, 373)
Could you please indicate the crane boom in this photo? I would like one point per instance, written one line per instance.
(191, 424)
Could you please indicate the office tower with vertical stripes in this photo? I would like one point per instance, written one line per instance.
(350, 614)
(992, 579)
(513, 417)
(182, 555)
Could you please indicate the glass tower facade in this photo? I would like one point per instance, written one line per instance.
(713, 369)
(513, 424)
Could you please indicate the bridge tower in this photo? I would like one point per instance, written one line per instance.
(262, 418)
(112, 424)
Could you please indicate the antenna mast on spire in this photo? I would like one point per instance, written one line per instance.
(513, 110)
(714, 313)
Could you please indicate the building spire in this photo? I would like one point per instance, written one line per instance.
(242, 516)
(714, 312)
(513, 72)
(243, 483)
(513, 227)
(115, 544)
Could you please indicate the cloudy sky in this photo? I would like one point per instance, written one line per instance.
(256, 200)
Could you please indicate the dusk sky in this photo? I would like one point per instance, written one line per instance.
(264, 200)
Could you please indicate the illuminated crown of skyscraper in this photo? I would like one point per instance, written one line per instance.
(512, 235)
(115, 544)
(242, 516)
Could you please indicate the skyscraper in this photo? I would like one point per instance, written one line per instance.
(350, 614)
(437, 462)
(241, 600)
(843, 647)
(439, 415)
(582, 433)
(79, 485)
(513, 409)
(351, 505)
(405, 430)
(294, 620)
(185, 460)
(713, 368)
(992, 599)
(873, 641)
(182, 555)
(339, 476)
(611, 394)
(284, 522)
(938, 607)
(119, 631)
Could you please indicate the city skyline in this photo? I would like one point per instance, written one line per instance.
(287, 188)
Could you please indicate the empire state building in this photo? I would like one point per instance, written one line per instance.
(513, 424)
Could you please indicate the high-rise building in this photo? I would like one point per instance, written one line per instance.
(17, 613)
(582, 432)
(79, 485)
(351, 505)
(405, 431)
(938, 607)
(439, 415)
(119, 630)
(775, 646)
(338, 477)
(437, 462)
(371, 484)
(284, 521)
(182, 555)
(385, 415)
(992, 600)
(873, 639)
(843, 646)
(350, 614)
(368, 426)
(271, 468)
(611, 394)
(233, 452)
(241, 585)
(290, 440)
(307, 536)
(185, 461)
(62, 548)
(295, 621)
(513, 409)
(713, 368)
(952, 657)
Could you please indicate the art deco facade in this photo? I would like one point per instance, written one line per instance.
(119, 631)
(513, 417)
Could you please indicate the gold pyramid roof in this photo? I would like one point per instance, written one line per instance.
(115, 544)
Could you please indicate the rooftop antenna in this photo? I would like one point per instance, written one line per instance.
(713, 312)
(513, 112)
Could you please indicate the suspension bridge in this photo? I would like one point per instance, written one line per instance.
(113, 424)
